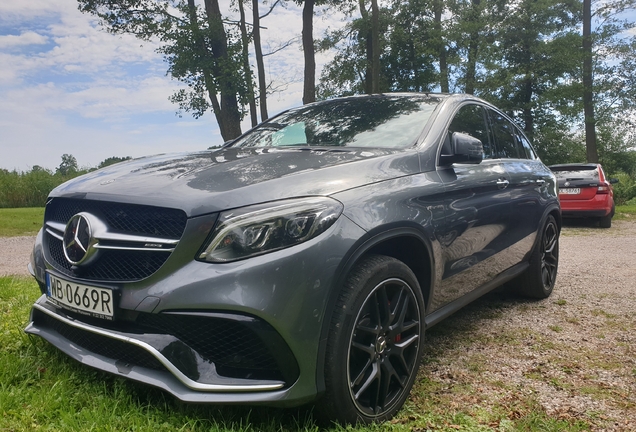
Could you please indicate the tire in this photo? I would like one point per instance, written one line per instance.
(606, 221)
(374, 344)
(539, 279)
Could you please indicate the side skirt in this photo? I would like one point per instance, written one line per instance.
(456, 305)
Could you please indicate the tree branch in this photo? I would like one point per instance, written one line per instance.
(283, 46)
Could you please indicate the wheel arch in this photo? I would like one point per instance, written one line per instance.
(408, 244)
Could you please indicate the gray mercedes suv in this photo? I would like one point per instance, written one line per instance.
(303, 261)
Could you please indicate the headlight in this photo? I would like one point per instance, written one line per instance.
(256, 230)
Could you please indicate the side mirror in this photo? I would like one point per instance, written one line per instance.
(466, 150)
(613, 180)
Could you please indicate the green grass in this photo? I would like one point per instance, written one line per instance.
(42, 389)
(625, 212)
(20, 221)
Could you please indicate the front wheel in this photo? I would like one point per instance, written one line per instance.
(539, 279)
(374, 344)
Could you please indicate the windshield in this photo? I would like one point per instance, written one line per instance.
(377, 121)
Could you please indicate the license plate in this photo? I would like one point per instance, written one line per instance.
(570, 191)
(81, 298)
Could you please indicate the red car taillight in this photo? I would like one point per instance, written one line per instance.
(603, 189)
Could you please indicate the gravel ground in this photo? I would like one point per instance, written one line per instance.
(574, 354)
(14, 255)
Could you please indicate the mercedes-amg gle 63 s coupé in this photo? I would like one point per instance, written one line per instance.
(301, 262)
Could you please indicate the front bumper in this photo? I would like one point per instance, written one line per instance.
(282, 294)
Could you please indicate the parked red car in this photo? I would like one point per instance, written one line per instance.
(585, 192)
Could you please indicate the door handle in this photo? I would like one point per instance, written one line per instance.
(502, 183)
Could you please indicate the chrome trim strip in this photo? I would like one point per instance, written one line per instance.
(133, 238)
(164, 361)
(98, 246)
(54, 234)
(57, 226)
(56, 229)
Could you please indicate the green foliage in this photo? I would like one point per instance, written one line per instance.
(29, 189)
(625, 189)
(198, 48)
(112, 160)
(68, 167)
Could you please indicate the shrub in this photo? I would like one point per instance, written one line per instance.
(625, 189)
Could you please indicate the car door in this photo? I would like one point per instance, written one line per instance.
(477, 212)
(529, 182)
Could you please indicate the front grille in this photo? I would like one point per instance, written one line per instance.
(112, 265)
(126, 218)
(116, 265)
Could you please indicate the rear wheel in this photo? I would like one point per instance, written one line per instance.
(374, 343)
(539, 279)
(606, 221)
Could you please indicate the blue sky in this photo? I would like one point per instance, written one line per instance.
(67, 86)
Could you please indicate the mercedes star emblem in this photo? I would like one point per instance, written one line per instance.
(78, 239)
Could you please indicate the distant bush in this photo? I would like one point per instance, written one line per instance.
(625, 189)
(29, 189)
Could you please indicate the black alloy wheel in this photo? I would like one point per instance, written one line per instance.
(374, 344)
(383, 350)
(549, 254)
(539, 279)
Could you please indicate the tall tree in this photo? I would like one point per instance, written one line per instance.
(309, 81)
(588, 83)
(68, 166)
(438, 37)
(523, 65)
(196, 46)
(246, 63)
(371, 25)
(260, 64)
(609, 88)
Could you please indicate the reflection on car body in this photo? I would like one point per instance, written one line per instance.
(302, 262)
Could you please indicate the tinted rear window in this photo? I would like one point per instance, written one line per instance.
(379, 121)
(578, 173)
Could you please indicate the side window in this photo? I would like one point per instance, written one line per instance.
(528, 152)
(471, 120)
(504, 133)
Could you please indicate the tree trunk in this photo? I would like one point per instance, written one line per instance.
(588, 82)
(528, 116)
(375, 44)
(230, 115)
(207, 73)
(443, 65)
(368, 74)
(309, 86)
(246, 65)
(258, 51)
(473, 46)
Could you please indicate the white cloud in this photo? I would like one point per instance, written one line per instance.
(68, 86)
(26, 38)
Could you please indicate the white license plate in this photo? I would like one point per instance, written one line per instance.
(570, 191)
(80, 298)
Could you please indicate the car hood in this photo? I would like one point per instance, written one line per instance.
(211, 181)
